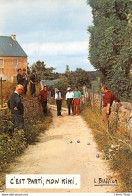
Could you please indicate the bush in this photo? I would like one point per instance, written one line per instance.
(14, 141)
(11, 146)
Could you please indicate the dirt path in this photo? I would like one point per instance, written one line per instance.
(55, 155)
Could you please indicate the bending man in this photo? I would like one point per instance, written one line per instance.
(16, 107)
(108, 99)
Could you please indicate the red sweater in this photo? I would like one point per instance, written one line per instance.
(109, 98)
(43, 95)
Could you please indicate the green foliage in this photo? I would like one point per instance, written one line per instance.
(62, 85)
(14, 141)
(79, 78)
(110, 43)
(43, 73)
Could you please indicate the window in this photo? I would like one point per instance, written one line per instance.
(1, 63)
(15, 63)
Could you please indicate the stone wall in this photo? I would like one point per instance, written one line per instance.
(32, 109)
(122, 116)
(94, 98)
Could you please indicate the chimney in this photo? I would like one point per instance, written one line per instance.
(13, 36)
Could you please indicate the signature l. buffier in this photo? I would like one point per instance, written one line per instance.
(105, 182)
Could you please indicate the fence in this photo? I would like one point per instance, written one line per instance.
(92, 95)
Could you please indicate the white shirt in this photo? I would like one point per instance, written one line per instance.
(16, 92)
(69, 95)
(58, 95)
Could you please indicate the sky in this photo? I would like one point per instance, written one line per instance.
(53, 31)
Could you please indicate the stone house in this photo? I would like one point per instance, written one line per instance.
(12, 57)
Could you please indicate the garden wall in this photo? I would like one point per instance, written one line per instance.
(32, 108)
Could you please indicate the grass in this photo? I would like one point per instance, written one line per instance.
(114, 145)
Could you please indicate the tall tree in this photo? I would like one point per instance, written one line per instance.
(43, 73)
(110, 43)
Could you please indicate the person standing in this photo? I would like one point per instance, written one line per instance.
(25, 81)
(108, 99)
(69, 99)
(58, 99)
(16, 107)
(43, 94)
(32, 83)
(20, 78)
(76, 103)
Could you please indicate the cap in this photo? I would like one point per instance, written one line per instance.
(68, 89)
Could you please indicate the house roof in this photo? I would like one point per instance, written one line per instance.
(10, 48)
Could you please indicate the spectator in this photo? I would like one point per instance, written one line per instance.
(25, 80)
(69, 99)
(16, 107)
(43, 95)
(20, 78)
(58, 102)
(32, 83)
(76, 102)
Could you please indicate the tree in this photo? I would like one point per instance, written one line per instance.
(79, 78)
(67, 71)
(110, 43)
(62, 85)
(43, 73)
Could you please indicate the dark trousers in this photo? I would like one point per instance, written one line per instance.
(18, 120)
(70, 105)
(32, 89)
(44, 104)
(58, 103)
(25, 89)
(25, 86)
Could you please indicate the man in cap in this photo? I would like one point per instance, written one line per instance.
(58, 99)
(43, 95)
(16, 107)
(69, 99)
